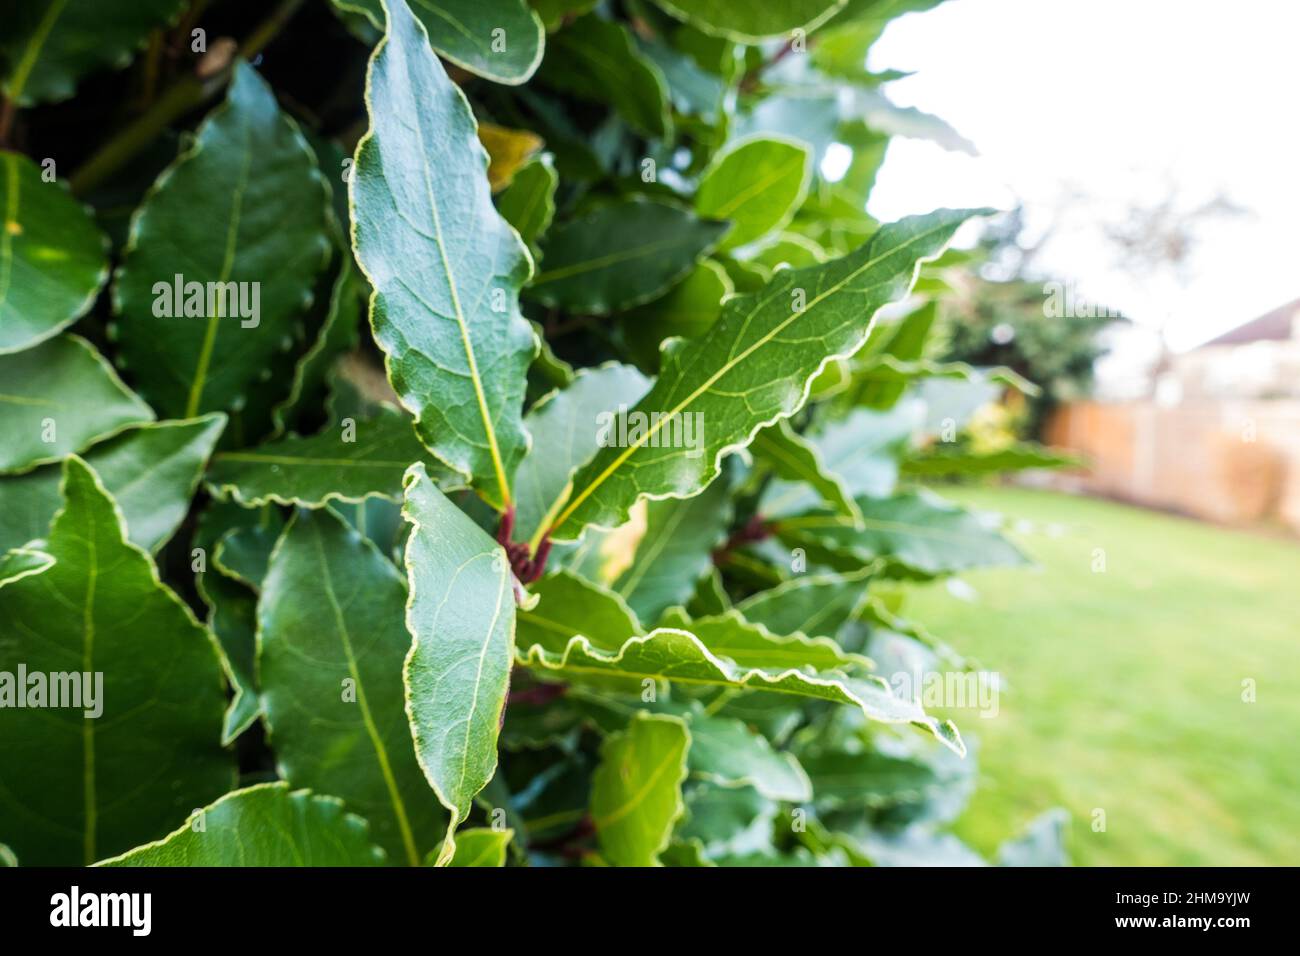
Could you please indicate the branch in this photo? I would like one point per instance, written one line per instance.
(183, 96)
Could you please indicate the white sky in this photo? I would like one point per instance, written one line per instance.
(1116, 98)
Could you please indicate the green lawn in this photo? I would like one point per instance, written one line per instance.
(1124, 688)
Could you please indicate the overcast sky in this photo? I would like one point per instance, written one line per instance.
(1118, 99)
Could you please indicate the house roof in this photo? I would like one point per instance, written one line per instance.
(1275, 326)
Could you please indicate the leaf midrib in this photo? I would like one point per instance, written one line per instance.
(88, 725)
(11, 217)
(381, 752)
(640, 568)
(478, 683)
(490, 432)
(613, 258)
(724, 210)
(227, 265)
(639, 797)
(25, 66)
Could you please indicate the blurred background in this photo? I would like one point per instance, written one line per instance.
(1147, 280)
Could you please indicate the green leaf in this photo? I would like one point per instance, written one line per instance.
(710, 596)
(595, 59)
(338, 334)
(636, 793)
(752, 644)
(789, 250)
(724, 821)
(52, 256)
(232, 614)
(943, 460)
(265, 825)
(676, 550)
(528, 203)
(246, 209)
(78, 787)
(747, 22)
(727, 651)
(815, 605)
(331, 644)
(341, 463)
(568, 605)
(752, 368)
(549, 369)
(445, 267)
(49, 46)
(480, 846)
(150, 470)
(696, 94)
(621, 255)
(888, 370)
(465, 32)
(21, 562)
(904, 344)
(554, 12)
(243, 553)
(794, 458)
(564, 426)
(756, 184)
(688, 309)
(57, 398)
(872, 779)
(726, 752)
(461, 616)
(916, 529)
(858, 456)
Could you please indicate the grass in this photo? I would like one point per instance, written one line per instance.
(1124, 686)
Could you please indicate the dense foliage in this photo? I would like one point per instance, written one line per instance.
(509, 460)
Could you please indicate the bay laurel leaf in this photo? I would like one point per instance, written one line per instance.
(444, 266)
(501, 41)
(60, 397)
(48, 47)
(331, 646)
(140, 746)
(52, 256)
(461, 617)
(222, 257)
(636, 792)
(151, 470)
(620, 255)
(263, 825)
(753, 367)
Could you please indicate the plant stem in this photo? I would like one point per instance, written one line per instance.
(186, 94)
(6, 119)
